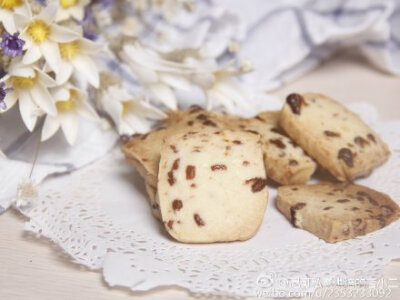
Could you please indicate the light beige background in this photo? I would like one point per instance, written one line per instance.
(33, 269)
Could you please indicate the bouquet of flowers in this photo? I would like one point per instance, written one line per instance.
(56, 58)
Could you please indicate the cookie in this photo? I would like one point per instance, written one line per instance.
(212, 186)
(286, 162)
(336, 212)
(143, 150)
(334, 136)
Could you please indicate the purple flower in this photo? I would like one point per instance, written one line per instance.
(42, 2)
(3, 93)
(11, 44)
(88, 34)
(104, 3)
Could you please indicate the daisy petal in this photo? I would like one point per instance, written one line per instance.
(22, 71)
(23, 9)
(48, 13)
(84, 109)
(137, 124)
(64, 73)
(10, 99)
(164, 94)
(150, 111)
(62, 15)
(113, 108)
(21, 21)
(86, 66)
(176, 82)
(27, 109)
(45, 79)
(42, 97)
(125, 128)
(32, 55)
(50, 127)
(62, 35)
(7, 21)
(77, 12)
(60, 94)
(90, 47)
(69, 125)
(51, 53)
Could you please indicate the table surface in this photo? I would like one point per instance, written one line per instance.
(32, 268)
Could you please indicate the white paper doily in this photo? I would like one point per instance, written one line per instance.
(100, 217)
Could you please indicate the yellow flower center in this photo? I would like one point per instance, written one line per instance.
(39, 31)
(67, 3)
(125, 107)
(69, 50)
(10, 4)
(22, 82)
(64, 106)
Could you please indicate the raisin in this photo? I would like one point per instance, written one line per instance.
(278, 143)
(347, 156)
(257, 184)
(199, 221)
(170, 174)
(331, 133)
(371, 138)
(342, 200)
(190, 172)
(209, 123)
(369, 197)
(170, 224)
(360, 141)
(295, 102)
(218, 167)
(202, 117)
(173, 147)
(177, 204)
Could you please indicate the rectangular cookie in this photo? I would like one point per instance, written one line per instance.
(334, 136)
(142, 151)
(286, 162)
(212, 186)
(336, 212)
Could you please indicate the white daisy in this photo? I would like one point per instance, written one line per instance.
(7, 10)
(68, 9)
(30, 88)
(41, 36)
(129, 113)
(77, 58)
(156, 74)
(70, 103)
(219, 83)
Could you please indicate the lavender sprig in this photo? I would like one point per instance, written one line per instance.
(11, 44)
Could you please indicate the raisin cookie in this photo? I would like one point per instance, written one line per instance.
(334, 136)
(212, 186)
(286, 162)
(336, 212)
(143, 150)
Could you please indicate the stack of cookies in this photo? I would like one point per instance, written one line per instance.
(206, 172)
